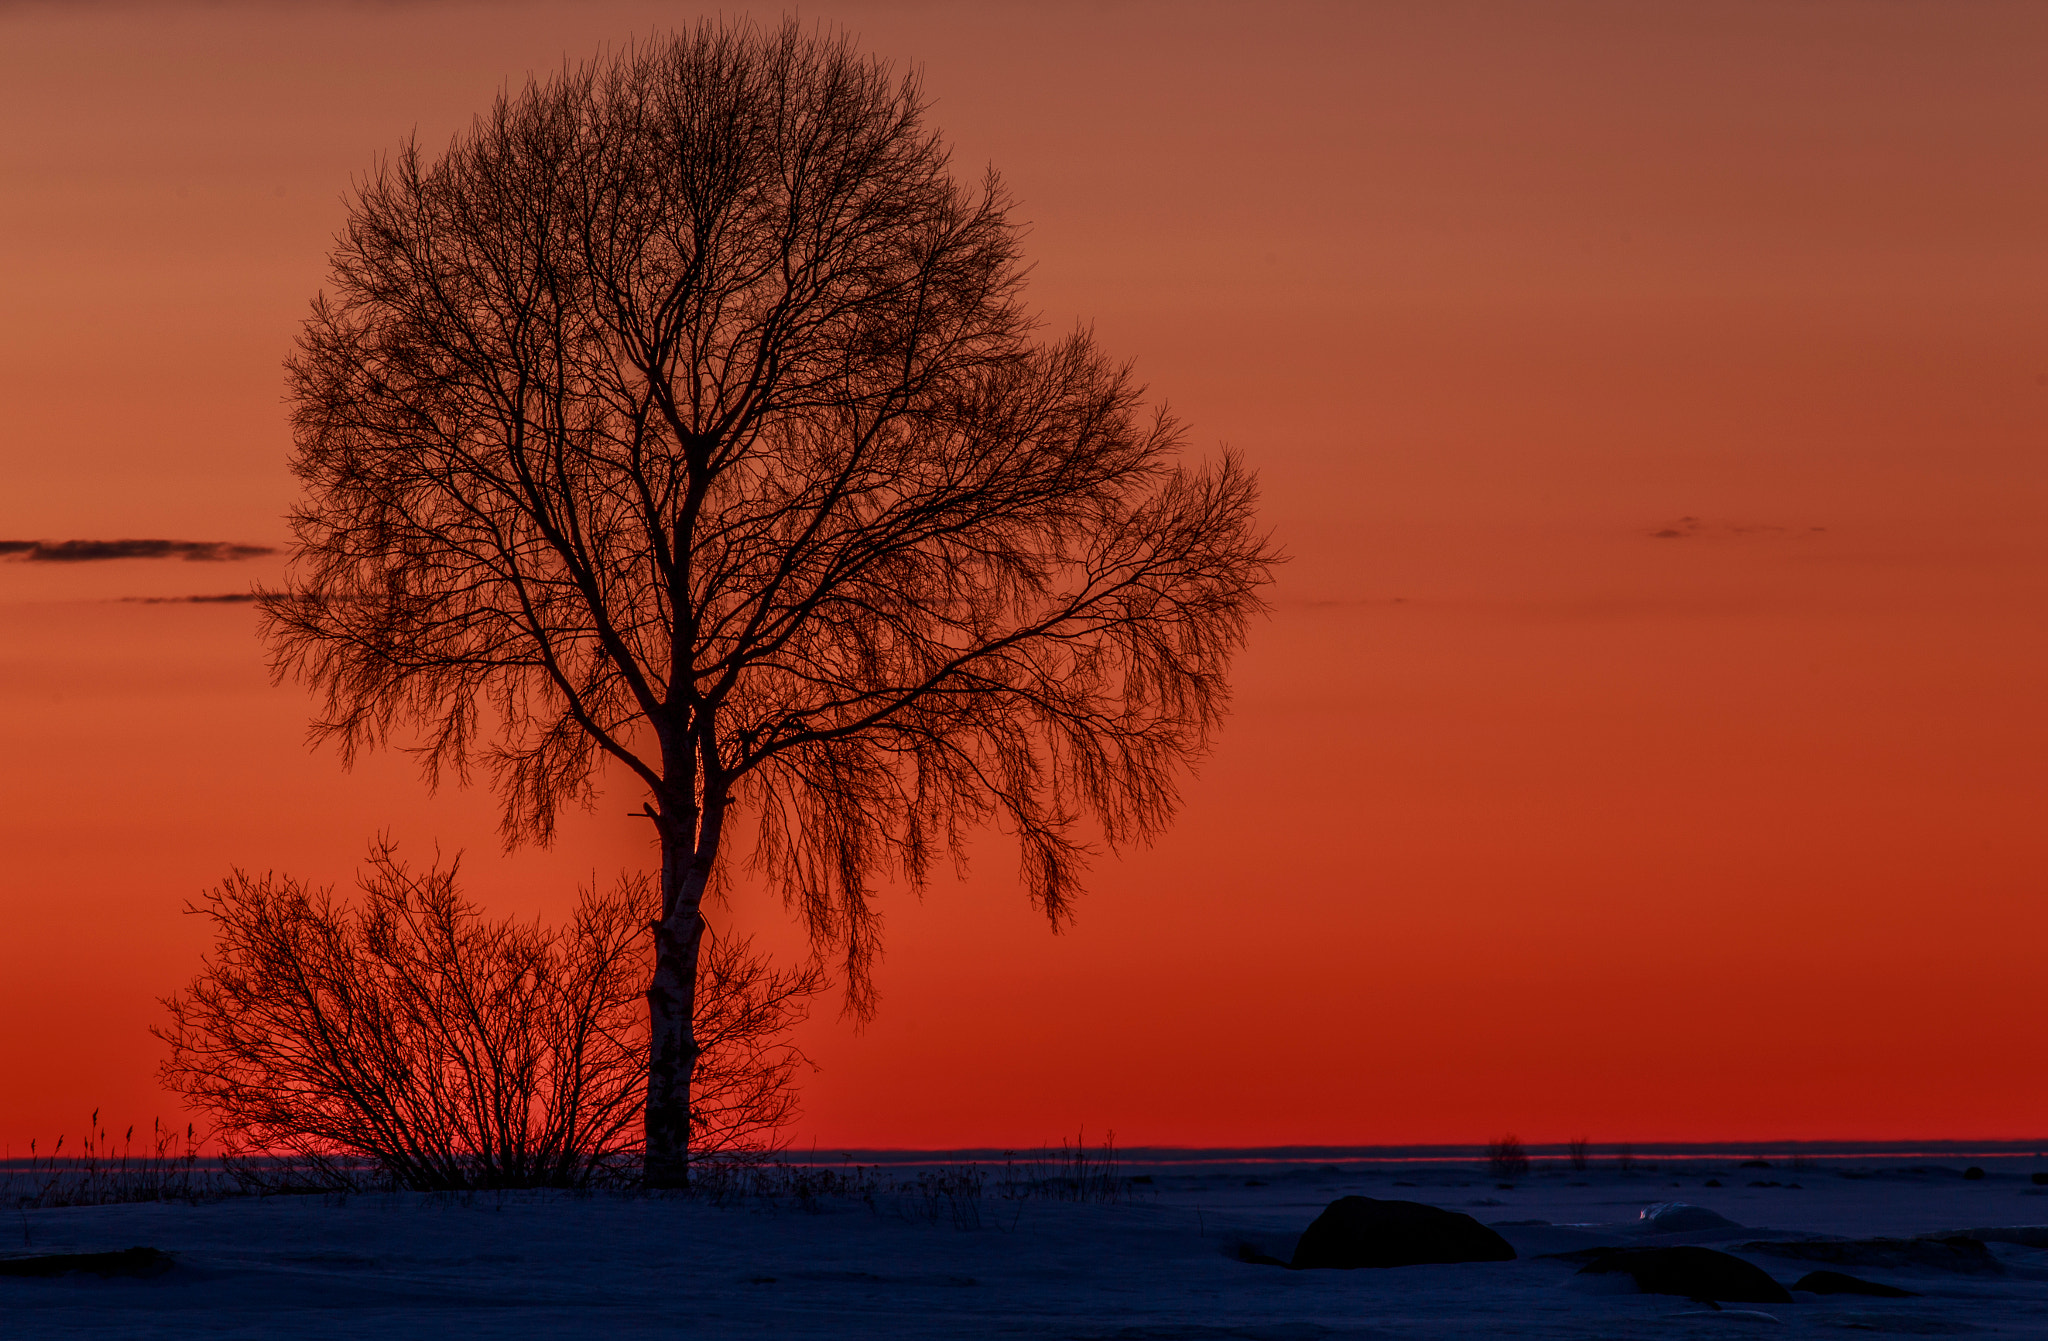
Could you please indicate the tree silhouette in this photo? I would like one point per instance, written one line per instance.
(684, 416)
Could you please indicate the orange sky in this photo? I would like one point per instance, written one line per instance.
(1527, 818)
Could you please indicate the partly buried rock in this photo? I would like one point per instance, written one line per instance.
(1835, 1282)
(1364, 1232)
(2026, 1236)
(1677, 1217)
(1955, 1252)
(1692, 1272)
(127, 1262)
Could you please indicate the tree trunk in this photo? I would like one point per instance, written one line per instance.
(671, 1010)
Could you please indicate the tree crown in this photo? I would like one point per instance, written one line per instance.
(685, 415)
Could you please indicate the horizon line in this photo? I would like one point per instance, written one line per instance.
(1949, 1147)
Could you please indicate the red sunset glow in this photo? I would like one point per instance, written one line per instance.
(1648, 737)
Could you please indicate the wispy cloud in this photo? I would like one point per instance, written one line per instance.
(229, 598)
(1688, 528)
(95, 551)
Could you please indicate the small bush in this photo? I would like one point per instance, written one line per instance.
(1506, 1158)
(411, 1036)
(951, 1192)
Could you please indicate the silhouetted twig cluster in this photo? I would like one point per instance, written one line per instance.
(1071, 1173)
(409, 1036)
(1506, 1157)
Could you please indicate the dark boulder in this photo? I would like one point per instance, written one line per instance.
(1835, 1282)
(2026, 1236)
(1954, 1252)
(1364, 1232)
(128, 1262)
(1691, 1272)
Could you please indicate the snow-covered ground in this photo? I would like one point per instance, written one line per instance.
(385, 1267)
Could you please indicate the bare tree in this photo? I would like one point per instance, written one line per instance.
(684, 417)
(1507, 1157)
(451, 1051)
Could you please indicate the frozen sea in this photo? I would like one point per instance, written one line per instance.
(1163, 1265)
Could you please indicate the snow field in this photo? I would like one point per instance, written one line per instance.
(543, 1265)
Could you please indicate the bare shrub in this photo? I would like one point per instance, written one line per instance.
(1581, 1150)
(411, 1035)
(744, 1093)
(952, 1192)
(1505, 1157)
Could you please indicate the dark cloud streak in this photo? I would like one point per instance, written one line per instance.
(96, 551)
(1685, 528)
(229, 598)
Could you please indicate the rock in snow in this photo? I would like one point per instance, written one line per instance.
(1954, 1253)
(1836, 1282)
(2027, 1236)
(139, 1262)
(1363, 1232)
(1691, 1272)
(1677, 1217)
